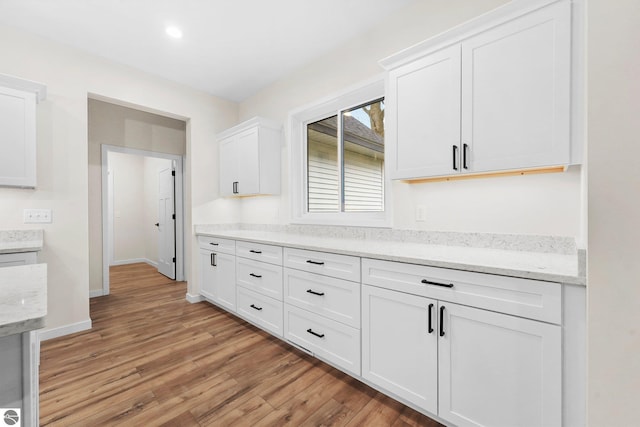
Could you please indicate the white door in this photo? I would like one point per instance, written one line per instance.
(208, 274)
(228, 166)
(400, 345)
(225, 278)
(166, 223)
(248, 158)
(498, 370)
(424, 116)
(516, 92)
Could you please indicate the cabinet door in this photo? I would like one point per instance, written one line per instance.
(17, 138)
(248, 152)
(498, 370)
(218, 278)
(423, 105)
(207, 274)
(399, 348)
(228, 166)
(516, 92)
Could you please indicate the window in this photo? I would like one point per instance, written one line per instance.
(337, 159)
(345, 161)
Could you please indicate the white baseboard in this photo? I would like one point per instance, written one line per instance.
(61, 331)
(134, 261)
(194, 298)
(96, 293)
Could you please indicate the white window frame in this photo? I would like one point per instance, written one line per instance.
(298, 120)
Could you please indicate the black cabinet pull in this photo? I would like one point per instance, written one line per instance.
(157, 224)
(430, 310)
(455, 155)
(315, 333)
(255, 275)
(442, 321)
(445, 285)
(213, 259)
(465, 148)
(256, 308)
(254, 251)
(235, 187)
(310, 261)
(311, 291)
(213, 244)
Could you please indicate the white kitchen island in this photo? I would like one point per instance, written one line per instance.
(23, 307)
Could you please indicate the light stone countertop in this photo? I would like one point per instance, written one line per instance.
(13, 241)
(23, 298)
(548, 266)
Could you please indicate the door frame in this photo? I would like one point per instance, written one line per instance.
(179, 203)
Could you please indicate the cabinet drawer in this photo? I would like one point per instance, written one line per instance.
(521, 297)
(334, 298)
(340, 266)
(260, 252)
(259, 277)
(333, 341)
(261, 310)
(217, 244)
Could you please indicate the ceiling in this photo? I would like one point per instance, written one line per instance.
(229, 48)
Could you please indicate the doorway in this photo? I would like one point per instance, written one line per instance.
(143, 210)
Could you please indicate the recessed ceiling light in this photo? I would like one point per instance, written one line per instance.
(174, 32)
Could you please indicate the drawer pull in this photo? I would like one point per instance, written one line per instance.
(311, 291)
(430, 311)
(256, 308)
(315, 333)
(310, 261)
(213, 244)
(213, 259)
(442, 321)
(255, 275)
(446, 285)
(253, 251)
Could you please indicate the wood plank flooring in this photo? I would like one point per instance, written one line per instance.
(153, 359)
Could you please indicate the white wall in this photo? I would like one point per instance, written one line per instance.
(534, 204)
(63, 171)
(613, 289)
(128, 213)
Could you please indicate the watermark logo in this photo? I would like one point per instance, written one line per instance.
(10, 417)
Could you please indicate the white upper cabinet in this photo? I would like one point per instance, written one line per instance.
(494, 95)
(250, 159)
(18, 100)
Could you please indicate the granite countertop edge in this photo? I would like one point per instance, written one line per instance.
(23, 298)
(333, 244)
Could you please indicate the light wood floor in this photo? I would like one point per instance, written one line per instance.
(153, 359)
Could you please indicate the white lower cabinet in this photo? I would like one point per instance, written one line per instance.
(331, 340)
(470, 366)
(400, 345)
(262, 310)
(218, 278)
(498, 370)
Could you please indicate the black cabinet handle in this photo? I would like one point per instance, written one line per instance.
(315, 333)
(157, 224)
(235, 187)
(311, 291)
(442, 321)
(213, 244)
(255, 275)
(428, 282)
(455, 155)
(256, 308)
(465, 148)
(430, 310)
(254, 251)
(213, 259)
(310, 261)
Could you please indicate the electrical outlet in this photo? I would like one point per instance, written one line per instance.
(37, 216)
(421, 214)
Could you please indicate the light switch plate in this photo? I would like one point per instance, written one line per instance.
(37, 216)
